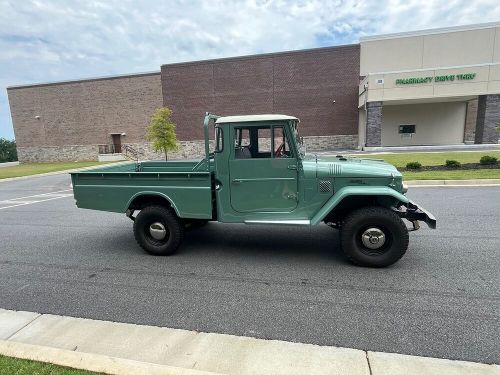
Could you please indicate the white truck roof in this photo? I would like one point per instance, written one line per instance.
(253, 118)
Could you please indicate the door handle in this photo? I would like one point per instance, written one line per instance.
(236, 181)
(292, 167)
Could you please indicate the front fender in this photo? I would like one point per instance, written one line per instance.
(355, 191)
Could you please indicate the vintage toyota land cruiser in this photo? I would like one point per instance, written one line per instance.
(258, 173)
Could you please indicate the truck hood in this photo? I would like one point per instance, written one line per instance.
(332, 166)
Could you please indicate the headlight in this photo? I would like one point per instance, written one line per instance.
(405, 188)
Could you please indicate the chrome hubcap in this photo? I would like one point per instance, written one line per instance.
(373, 238)
(157, 231)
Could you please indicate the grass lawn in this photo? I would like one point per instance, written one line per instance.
(15, 366)
(431, 158)
(29, 169)
(469, 174)
(439, 158)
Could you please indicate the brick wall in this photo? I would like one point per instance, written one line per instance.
(302, 83)
(74, 117)
(84, 112)
(488, 118)
(374, 123)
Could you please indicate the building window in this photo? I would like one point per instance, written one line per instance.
(406, 129)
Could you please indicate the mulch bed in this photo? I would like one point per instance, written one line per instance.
(445, 168)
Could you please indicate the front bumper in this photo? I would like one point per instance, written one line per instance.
(415, 213)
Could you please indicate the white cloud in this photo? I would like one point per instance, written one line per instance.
(62, 39)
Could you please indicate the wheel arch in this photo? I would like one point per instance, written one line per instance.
(147, 198)
(353, 197)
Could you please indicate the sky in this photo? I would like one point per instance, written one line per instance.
(44, 41)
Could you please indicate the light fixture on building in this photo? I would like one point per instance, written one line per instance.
(37, 117)
(124, 134)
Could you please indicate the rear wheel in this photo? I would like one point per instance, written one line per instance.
(158, 230)
(374, 237)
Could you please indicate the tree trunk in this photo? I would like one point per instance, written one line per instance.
(166, 156)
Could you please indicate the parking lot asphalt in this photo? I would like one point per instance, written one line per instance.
(441, 300)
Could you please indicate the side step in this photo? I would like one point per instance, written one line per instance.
(279, 222)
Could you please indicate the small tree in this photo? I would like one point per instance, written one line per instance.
(8, 151)
(161, 132)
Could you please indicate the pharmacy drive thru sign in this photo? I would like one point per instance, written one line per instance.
(444, 78)
(258, 172)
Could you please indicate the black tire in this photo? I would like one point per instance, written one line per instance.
(167, 219)
(368, 221)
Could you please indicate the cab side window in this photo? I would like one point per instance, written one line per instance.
(263, 142)
(281, 148)
(264, 148)
(242, 143)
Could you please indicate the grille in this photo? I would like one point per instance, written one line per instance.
(334, 170)
(325, 186)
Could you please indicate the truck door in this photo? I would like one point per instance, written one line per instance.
(263, 170)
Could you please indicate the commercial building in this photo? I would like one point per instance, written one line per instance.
(430, 87)
(433, 87)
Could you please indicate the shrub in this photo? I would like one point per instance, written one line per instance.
(413, 165)
(8, 150)
(453, 164)
(488, 160)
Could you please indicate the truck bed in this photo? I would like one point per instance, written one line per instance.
(114, 187)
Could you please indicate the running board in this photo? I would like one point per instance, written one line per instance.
(279, 222)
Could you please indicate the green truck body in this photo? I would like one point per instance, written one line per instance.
(257, 173)
(115, 187)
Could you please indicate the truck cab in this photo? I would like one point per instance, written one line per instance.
(256, 171)
(257, 167)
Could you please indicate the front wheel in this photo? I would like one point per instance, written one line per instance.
(158, 230)
(374, 237)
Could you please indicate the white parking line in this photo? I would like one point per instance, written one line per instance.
(16, 202)
(40, 195)
(37, 198)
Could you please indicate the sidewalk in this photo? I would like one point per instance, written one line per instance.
(434, 183)
(119, 348)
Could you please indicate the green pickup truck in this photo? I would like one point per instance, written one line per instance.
(256, 172)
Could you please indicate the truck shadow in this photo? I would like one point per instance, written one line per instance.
(241, 239)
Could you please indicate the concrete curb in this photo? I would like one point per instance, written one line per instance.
(120, 348)
(60, 172)
(91, 362)
(9, 164)
(398, 364)
(481, 182)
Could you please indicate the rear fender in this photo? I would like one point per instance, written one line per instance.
(154, 194)
(348, 191)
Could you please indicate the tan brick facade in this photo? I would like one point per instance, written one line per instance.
(84, 112)
(67, 120)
